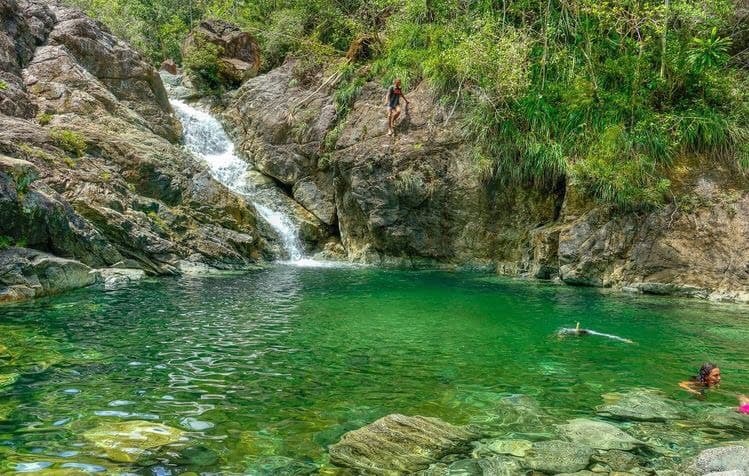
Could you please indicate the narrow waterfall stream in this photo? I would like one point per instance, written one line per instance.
(206, 138)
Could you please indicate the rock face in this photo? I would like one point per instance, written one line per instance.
(239, 53)
(421, 197)
(99, 177)
(398, 444)
(26, 274)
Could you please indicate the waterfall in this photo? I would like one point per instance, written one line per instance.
(205, 137)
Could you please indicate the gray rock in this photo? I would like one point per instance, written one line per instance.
(722, 459)
(26, 273)
(239, 53)
(640, 405)
(116, 278)
(398, 443)
(558, 457)
(597, 435)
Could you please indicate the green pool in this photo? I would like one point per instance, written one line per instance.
(263, 370)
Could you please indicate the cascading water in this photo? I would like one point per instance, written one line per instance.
(206, 138)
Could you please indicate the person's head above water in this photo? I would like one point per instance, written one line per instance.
(709, 375)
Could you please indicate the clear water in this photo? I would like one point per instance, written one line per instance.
(270, 367)
(205, 137)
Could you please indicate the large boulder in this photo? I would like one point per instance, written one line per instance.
(398, 443)
(238, 51)
(26, 273)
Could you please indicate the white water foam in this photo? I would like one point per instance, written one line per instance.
(205, 137)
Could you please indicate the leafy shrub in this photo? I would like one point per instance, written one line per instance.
(70, 141)
(3, 85)
(44, 118)
(283, 35)
(201, 61)
(5, 242)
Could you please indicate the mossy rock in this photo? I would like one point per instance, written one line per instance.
(126, 442)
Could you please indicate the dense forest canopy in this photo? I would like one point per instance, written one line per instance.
(618, 96)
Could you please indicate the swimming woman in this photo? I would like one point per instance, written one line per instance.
(707, 377)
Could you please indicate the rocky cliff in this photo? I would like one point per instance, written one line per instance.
(420, 197)
(91, 169)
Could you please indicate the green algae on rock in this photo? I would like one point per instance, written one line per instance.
(399, 443)
(126, 442)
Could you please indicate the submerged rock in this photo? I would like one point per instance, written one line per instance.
(399, 443)
(558, 457)
(640, 405)
(597, 435)
(502, 447)
(6, 380)
(722, 459)
(493, 466)
(126, 442)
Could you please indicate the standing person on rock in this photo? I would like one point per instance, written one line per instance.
(392, 98)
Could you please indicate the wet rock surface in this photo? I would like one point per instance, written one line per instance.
(129, 441)
(597, 435)
(398, 443)
(26, 274)
(558, 457)
(100, 177)
(420, 197)
(641, 405)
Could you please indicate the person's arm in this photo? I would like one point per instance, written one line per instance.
(689, 387)
(743, 400)
(404, 98)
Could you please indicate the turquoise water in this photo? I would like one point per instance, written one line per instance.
(266, 369)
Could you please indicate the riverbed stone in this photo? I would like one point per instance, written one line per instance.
(597, 435)
(639, 405)
(399, 443)
(502, 447)
(128, 441)
(557, 456)
(117, 278)
(492, 466)
(721, 459)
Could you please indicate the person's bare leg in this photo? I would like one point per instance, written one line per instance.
(390, 121)
(396, 114)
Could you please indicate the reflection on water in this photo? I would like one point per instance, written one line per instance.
(270, 367)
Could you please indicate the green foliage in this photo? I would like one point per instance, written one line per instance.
(3, 85)
(708, 53)
(201, 62)
(8, 241)
(44, 119)
(69, 141)
(541, 89)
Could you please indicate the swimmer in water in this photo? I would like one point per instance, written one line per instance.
(707, 377)
(577, 331)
